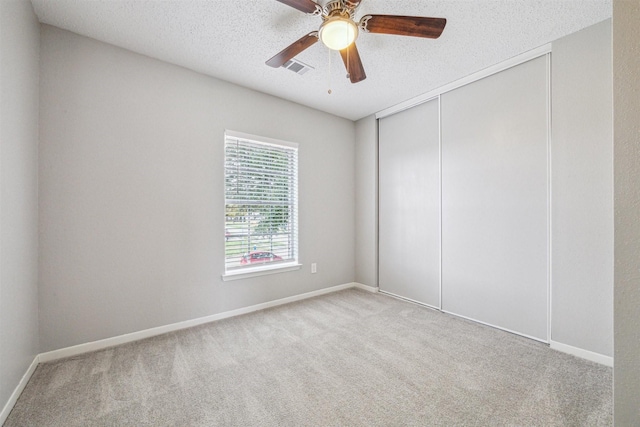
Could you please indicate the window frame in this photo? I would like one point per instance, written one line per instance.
(266, 268)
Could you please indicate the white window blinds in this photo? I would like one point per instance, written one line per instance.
(261, 202)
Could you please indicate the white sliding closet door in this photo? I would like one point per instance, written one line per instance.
(494, 200)
(409, 212)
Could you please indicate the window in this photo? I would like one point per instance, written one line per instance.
(261, 203)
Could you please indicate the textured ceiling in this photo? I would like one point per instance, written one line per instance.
(232, 39)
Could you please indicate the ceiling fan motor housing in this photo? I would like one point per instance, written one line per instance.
(339, 8)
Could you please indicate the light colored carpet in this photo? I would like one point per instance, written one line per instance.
(349, 358)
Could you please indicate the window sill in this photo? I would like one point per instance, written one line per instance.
(259, 271)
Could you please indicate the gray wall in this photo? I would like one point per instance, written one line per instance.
(366, 214)
(582, 190)
(626, 109)
(131, 192)
(19, 52)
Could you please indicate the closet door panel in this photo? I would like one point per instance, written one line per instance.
(494, 200)
(409, 204)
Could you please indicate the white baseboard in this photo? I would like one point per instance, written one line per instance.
(135, 336)
(584, 354)
(18, 390)
(366, 287)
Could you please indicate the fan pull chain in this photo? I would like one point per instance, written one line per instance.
(348, 74)
(329, 82)
(348, 63)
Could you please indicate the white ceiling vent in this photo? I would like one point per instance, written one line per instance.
(297, 67)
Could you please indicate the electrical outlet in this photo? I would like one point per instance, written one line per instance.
(313, 268)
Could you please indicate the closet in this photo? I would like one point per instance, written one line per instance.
(464, 200)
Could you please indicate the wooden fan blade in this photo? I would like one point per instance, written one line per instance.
(415, 26)
(306, 6)
(292, 50)
(353, 64)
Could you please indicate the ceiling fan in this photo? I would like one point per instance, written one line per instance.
(339, 31)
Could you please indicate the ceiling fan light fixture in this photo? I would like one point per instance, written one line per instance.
(338, 32)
